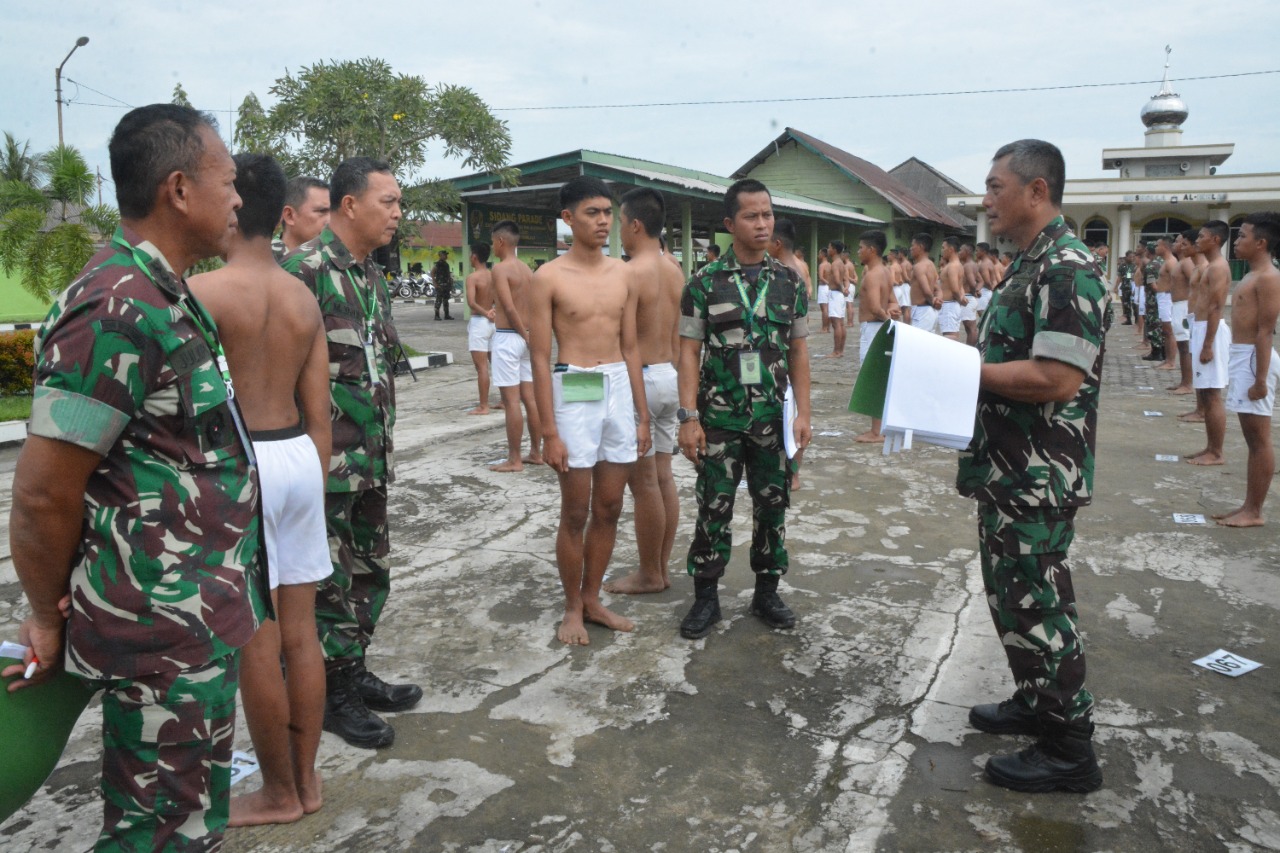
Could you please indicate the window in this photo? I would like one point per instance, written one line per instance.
(1097, 231)
(1163, 226)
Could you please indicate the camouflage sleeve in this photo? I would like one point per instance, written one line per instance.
(92, 376)
(800, 323)
(1068, 313)
(693, 310)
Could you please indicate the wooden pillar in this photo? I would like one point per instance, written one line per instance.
(615, 232)
(466, 258)
(686, 238)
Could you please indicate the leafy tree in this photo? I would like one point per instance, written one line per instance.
(47, 231)
(17, 163)
(180, 96)
(254, 133)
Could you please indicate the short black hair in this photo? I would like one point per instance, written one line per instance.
(784, 231)
(953, 241)
(260, 183)
(481, 250)
(925, 239)
(874, 238)
(1266, 226)
(581, 188)
(351, 178)
(646, 206)
(713, 249)
(984, 247)
(150, 144)
(1219, 229)
(732, 204)
(1034, 158)
(1191, 234)
(297, 190)
(508, 230)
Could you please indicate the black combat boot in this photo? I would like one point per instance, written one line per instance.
(378, 695)
(1010, 717)
(1061, 760)
(705, 611)
(768, 606)
(345, 714)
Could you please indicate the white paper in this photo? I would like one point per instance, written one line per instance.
(1153, 414)
(1226, 663)
(932, 392)
(831, 433)
(789, 412)
(1146, 388)
(1188, 518)
(1166, 457)
(12, 650)
(243, 765)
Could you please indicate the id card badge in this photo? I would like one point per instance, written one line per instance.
(371, 358)
(749, 367)
(581, 387)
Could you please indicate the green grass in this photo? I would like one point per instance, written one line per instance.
(15, 408)
(411, 352)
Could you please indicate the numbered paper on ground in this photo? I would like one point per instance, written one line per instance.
(1226, 663)
(243, 765)
(1153, 414)
(1166, 457)
(1188, 518)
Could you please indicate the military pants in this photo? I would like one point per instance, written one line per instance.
(1154, 330)
(349, 603)
(769, 484)
(1033, 605)
(166, 760)
(443, 295)
(1126, 300)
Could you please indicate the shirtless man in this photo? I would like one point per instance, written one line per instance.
(479, 293)
(972, 286)
(837, 301)
(1211, 341)
(1181, 275)
(876, 306)
(652, 484)
(306, 213)
(1195, 295)
(783, 247)
(900, 276)
(799, 265)
(275, 343)
(1255, 366)
(824, 286)
(509, 353)
(987, 278)
(1164, 301)
(951, 285)
(926, 297)
(1142, 290)
(850, 282)
(591, 405)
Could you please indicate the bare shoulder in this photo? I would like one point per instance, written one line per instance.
(295, 296)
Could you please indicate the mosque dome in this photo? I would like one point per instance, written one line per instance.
(1165, 110)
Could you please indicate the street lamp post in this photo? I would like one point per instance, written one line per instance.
(57, 82)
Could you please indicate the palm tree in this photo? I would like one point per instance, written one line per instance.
(47, 232)
(17, 163)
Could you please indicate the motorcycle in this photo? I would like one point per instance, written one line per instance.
(411, 286)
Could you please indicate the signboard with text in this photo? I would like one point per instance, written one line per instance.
(537, 226)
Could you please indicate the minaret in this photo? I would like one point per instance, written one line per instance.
(1164, 113)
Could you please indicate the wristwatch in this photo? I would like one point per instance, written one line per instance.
(683, 414)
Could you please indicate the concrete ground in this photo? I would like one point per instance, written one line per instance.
(848, 733)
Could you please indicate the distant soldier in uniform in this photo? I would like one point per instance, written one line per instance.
(1030, 467)
(134, 494)
(749, 310)
(356, 306)
(1154, 330)
(442, 280)
(1125, 271)
(306, 212)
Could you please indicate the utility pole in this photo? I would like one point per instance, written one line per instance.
(57, 82)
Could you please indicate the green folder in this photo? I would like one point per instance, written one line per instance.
(873, 376)
(35, 725)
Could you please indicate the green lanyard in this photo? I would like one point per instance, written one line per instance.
(367, 307)
(746, 300)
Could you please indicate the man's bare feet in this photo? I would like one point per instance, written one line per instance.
(532, 459)
(1206, 458)
(1181, 389)
(257, 809)
(1218, 516)
(1191, 418)
(1166, 365)
(572, 632)
(1241, 518)
(602, 615)
(507, 467)
(481, 410)
(310, 795)
(637, 583)
(869, 437)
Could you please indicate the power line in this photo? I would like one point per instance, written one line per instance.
(879, 96)
(96, 92)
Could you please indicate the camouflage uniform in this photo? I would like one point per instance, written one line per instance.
(1125, 271)
(1154, 329)
(743, 423)
(167, 583)
(1030, 466)
(355, 303)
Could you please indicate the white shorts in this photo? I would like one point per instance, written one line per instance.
(924, 317)
(1141, 301)
(479, 333)
(1244, 372)
(1164, 307)
(600, 430)
(510, 359)
(292, 487)
(902, 293)
(868, 332)
(835, 305)
(824, 292)
(1214, 374)
(1181, 326)
(662, 393)
(949, 318)
(984, 298)
(969, 310)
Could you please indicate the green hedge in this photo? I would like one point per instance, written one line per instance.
(17, 361)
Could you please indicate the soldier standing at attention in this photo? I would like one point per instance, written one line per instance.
(1151, 322)
(824, 286)
(442, 281)
(595, 420)
(951, 286)
(750, 311)
(900, 272)
(653, 486)
(1195, 295)
(135, 494)
(1164, 301)
(356, 307)
(926, 297)
(509, 352)
(1211, 341)
(306, 212)
(1125, 273)
(1030, 467)
(850, 282)
(1181, 301)
(479, 295)
(276, 351)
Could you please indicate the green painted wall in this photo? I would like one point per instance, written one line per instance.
(16, 304)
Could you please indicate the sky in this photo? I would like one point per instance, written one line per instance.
(547, 54)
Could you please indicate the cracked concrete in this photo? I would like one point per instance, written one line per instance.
(847, 734)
